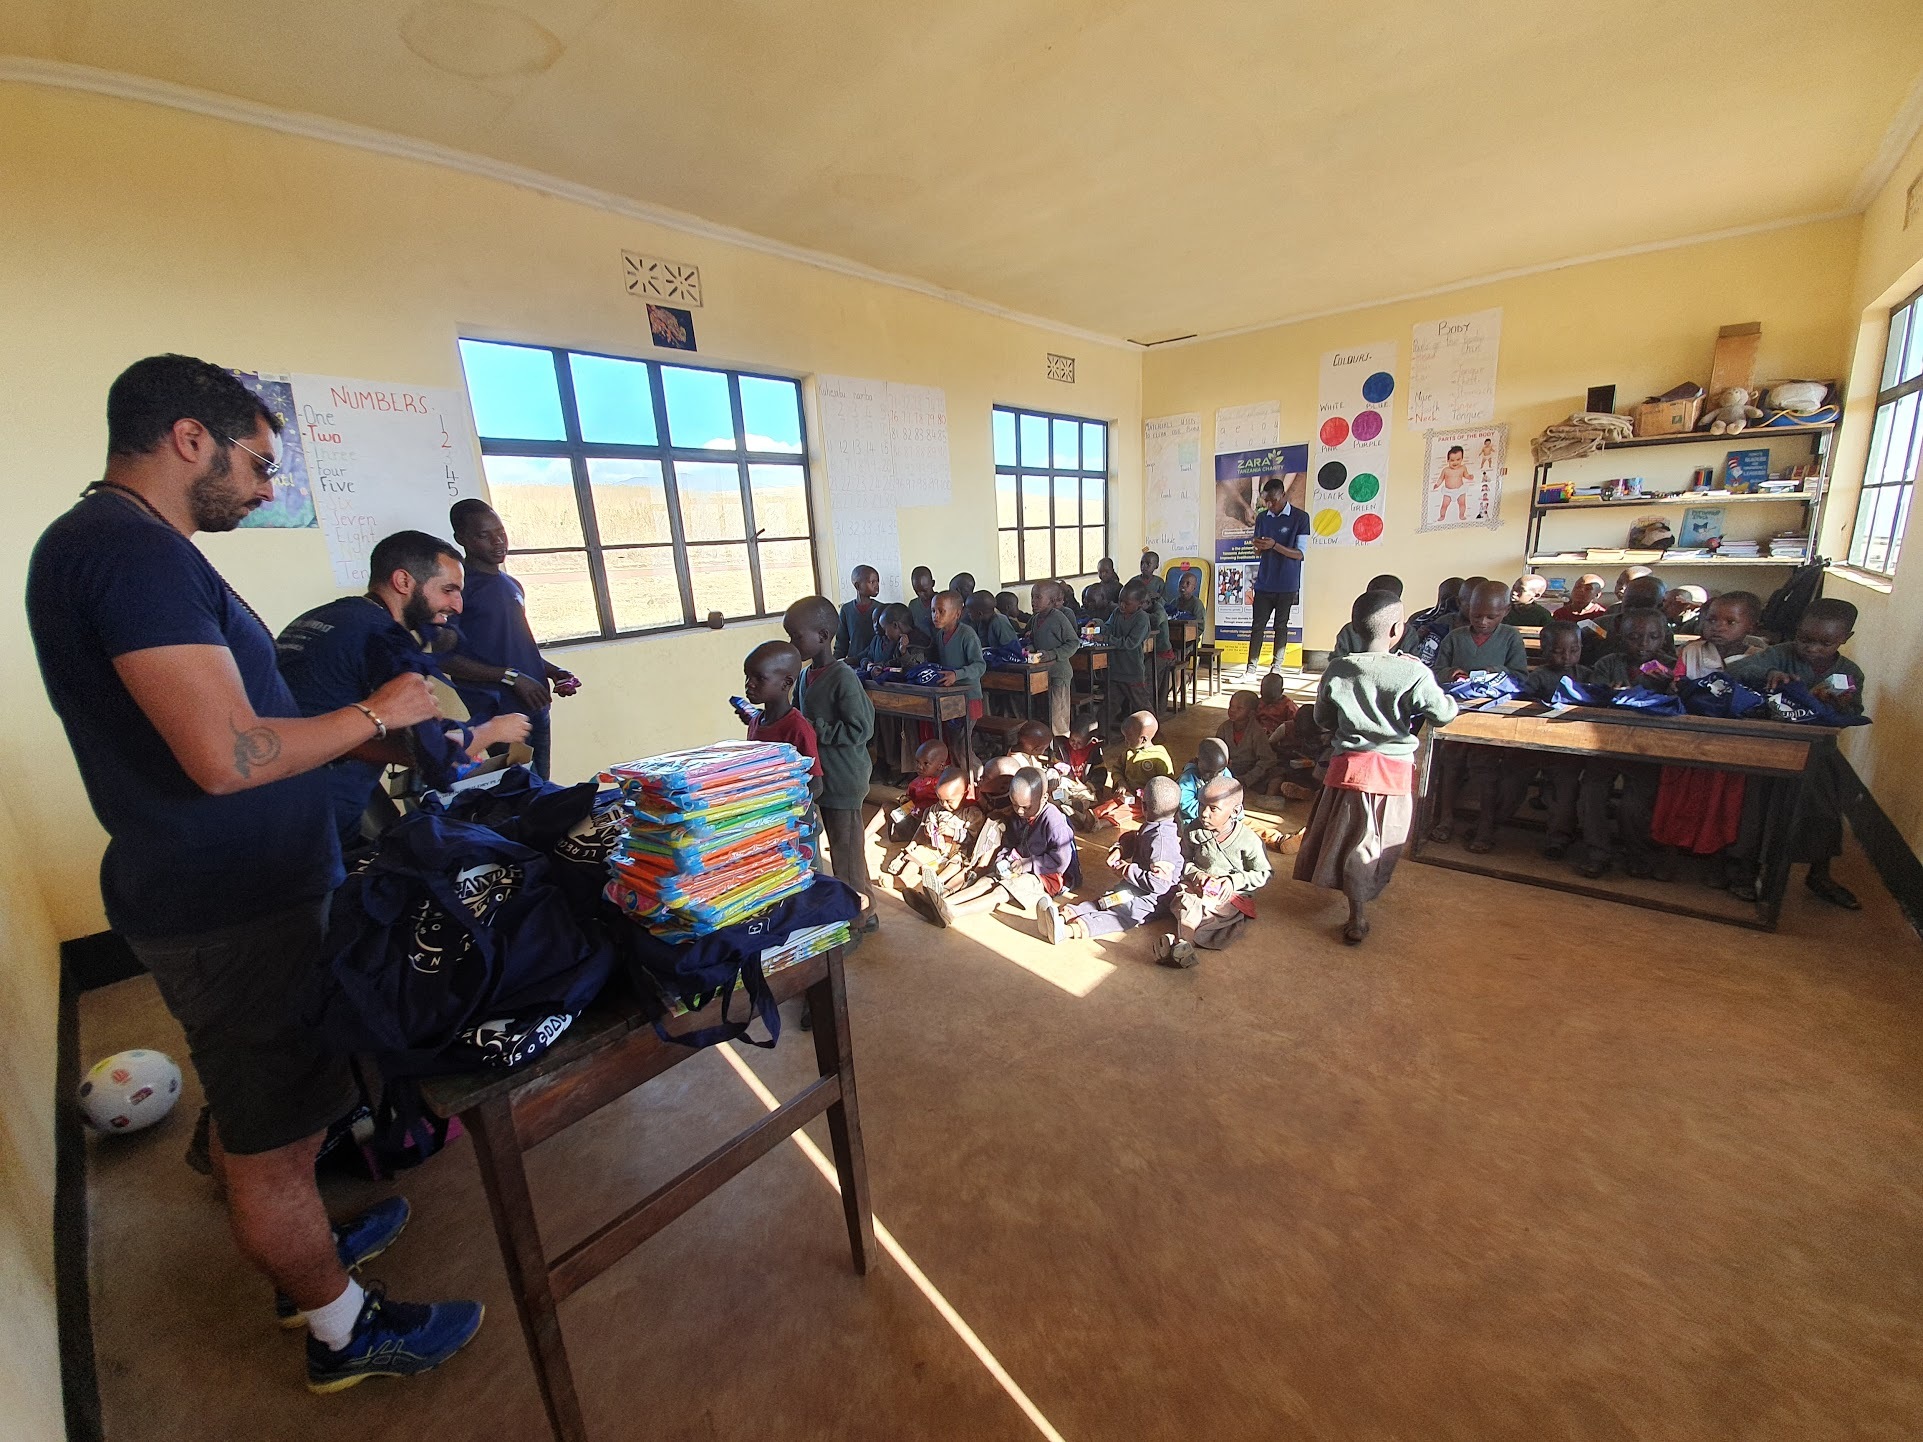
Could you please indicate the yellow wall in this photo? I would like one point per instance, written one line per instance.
(1640, 322)
(1889, 633)
(29, 985)
(150, 230)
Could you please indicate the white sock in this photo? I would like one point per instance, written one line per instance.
(334, 1323)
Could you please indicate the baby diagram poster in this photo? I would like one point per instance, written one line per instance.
(1351, 456)
(1462, 478)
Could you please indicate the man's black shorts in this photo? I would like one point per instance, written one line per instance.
(269, 1081)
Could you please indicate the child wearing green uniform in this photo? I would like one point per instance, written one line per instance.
(1370, 702)
(832, 698)
(1226, 866)
(1124, 632)
(1052, 638)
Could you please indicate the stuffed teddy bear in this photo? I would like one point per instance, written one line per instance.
(1729, 412)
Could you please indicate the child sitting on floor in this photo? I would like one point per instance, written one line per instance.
(1150, 866)
(931, 760)
(1251, 757)
(1371, 702)
(1274, 710)
(942, 840)
(1040, 862)
(1140, 758)
(1211, 760)
(1078, 762)
(1034, 745)
(1226, 866)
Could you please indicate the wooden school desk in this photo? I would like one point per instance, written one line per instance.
(607, 1053)
(1092, 657)
(1779, 755)
(1027, 681)
(935, 704)
(1184, 638)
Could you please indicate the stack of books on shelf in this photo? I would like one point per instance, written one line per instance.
(1789, 546)
(1739, 551)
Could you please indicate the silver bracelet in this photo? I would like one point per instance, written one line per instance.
(380, 726)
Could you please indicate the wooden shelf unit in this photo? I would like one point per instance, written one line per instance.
(1811, 499)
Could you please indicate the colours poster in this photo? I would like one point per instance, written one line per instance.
(1239, 478)
(1350, 462)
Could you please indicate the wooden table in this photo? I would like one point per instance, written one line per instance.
(611, 1050)
(1029, 681)
(1093, 656)
(936, 704)
(1781, 755)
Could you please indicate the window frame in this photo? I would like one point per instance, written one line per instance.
(578, 452)
(1872, 489)
(1051, 471)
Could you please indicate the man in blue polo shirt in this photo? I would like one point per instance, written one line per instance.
(221, 855)
(341, 651)
(1279, 529)
(496, 664)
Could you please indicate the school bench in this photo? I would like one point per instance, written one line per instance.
(609, 1051)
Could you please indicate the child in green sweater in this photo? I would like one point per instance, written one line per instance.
(1052, 638)
(1226, 866)
(1370, 702)
(834, 702)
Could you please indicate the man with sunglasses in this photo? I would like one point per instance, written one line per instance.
(221, 852)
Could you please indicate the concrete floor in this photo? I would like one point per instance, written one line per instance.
(1523, 1167)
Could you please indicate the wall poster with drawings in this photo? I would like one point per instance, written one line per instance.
(1462, 478)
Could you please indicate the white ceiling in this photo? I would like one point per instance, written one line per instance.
(1136, 169)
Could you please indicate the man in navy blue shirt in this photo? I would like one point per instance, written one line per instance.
(221, 854)
(341, 651)
(496, 664)
(1279, 529)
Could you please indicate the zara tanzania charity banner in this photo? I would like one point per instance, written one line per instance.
(1239, 478)
(1351, 460)
(1462, 478)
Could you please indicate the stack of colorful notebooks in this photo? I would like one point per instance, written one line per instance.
(711, 836)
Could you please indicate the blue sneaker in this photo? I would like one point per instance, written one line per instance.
(360, 1240)
(393, 1339)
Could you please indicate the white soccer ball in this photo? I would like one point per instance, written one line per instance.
(130, 1090)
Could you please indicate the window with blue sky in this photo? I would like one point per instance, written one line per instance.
(640, 496)
(1051, 494)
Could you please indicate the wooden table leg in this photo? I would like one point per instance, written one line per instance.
(834, 1056)
(492, 1126)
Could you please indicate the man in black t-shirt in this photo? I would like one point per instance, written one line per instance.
(221, 854)
(335, 654)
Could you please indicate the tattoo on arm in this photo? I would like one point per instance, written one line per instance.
(256, 747)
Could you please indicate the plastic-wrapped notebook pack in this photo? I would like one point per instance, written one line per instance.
(710, 836)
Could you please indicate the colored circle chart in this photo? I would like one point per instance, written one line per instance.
(1367, 426)
(1332, 476)
(1334, 431)
(1367, 527)
(1378, 388)
(1326, 522)
(1364, 488)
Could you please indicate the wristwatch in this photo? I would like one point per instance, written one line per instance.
(510, 676)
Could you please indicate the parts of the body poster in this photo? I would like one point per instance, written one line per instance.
(1462, 478)
(1239, 478)
(1349, 463)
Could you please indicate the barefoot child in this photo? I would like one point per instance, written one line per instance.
(1078, 761)
(1052, 638)
(1150, 867)
(1041, 861)
(1251, 757)
(1370, 702)
(1226, 866)
(942, 841)
(931, 760)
